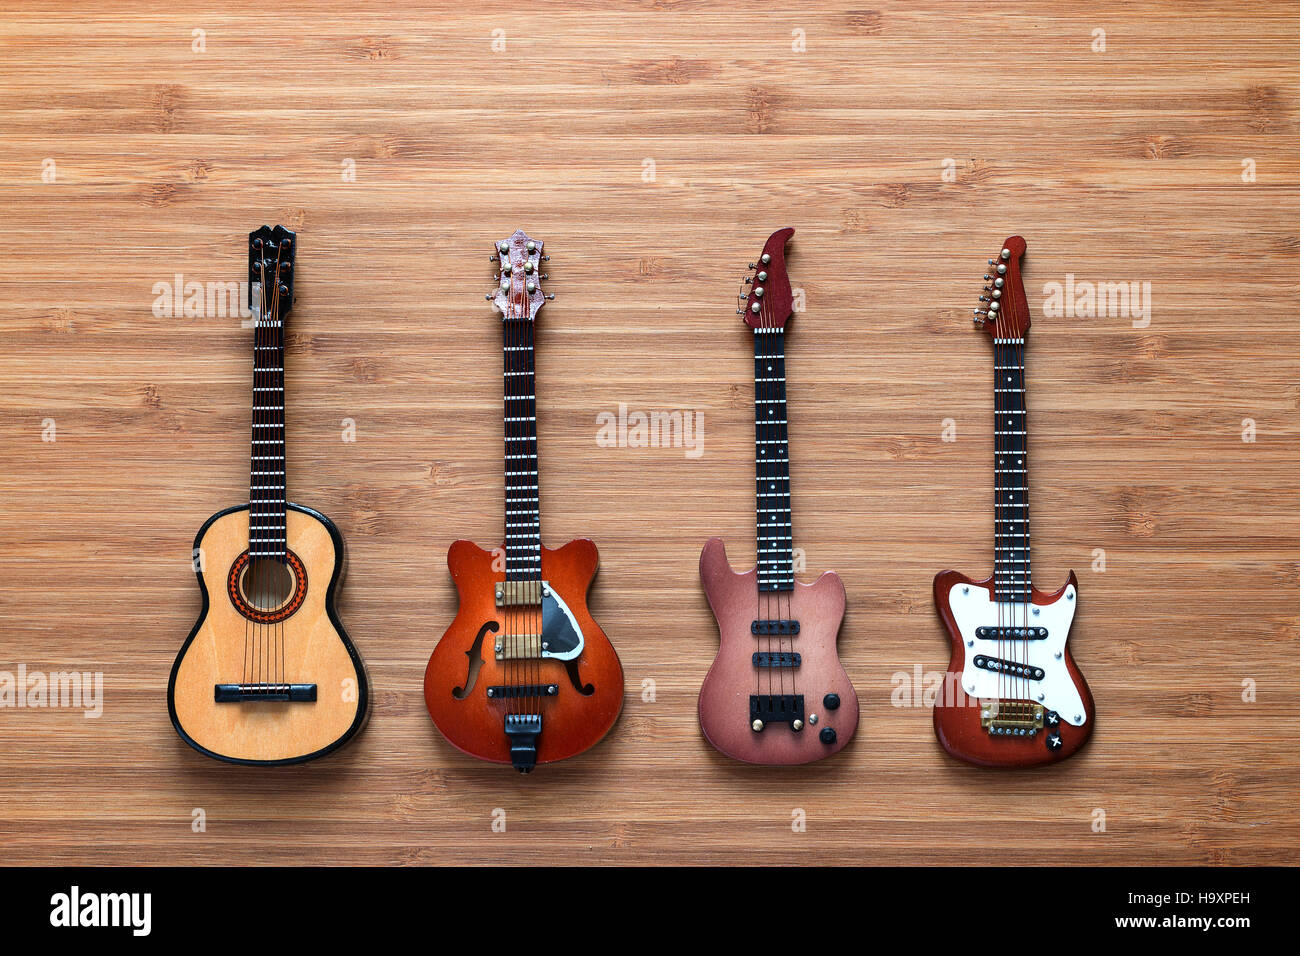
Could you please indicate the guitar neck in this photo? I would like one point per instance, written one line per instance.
(1011, 579)
(266, 485)
(523, 536)
(772, 463)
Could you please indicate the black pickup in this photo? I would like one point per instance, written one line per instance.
(1007, 632)
(783, 659)
(1011, 668)
(774, 628)
(241, 693)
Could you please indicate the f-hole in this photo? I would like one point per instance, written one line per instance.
(586, 690)
(475, 655)
(266, 584)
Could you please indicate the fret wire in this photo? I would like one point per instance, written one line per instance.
(1011, 553)
(775, 557)
(521, 482)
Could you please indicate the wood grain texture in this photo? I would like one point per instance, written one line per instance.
(305, 648)
(1122, 165)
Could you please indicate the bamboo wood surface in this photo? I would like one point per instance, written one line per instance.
(654, 147)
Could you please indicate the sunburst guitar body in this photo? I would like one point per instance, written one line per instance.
(524, 675)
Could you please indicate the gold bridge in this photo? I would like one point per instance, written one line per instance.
(514, 593)
(1014, 716)
(513, 647)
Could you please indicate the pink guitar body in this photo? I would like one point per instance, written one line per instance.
(829, 703)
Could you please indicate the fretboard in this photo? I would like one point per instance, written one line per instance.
(772, 463)
(523, 515)
(266, 485)
(1011, 473)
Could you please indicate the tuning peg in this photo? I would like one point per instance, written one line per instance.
(545, 275)
(997, 282)
(488, 296)
(493, 259)
(546, 258)
(1001, 269)
(751, 265)
(744, 295)
(747, 280)
(766, 258)
(550, 295)
(740, 312)
(984, 298)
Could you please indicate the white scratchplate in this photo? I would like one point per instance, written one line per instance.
(973, 607)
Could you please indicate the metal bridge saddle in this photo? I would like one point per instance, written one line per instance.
(766, 709)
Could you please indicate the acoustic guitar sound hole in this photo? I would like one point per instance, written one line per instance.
(267, 590)
(266, 584)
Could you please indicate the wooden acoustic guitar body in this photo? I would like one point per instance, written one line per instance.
(1056, 684)
(725, 697)
(299, 643)
(465, 666)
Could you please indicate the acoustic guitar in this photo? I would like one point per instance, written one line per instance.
(268, 675)
(776, 693)
(1013, 696)
(523, 675)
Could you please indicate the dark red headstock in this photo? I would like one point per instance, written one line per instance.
(519, 294)
(770, 302)
(1004, 311)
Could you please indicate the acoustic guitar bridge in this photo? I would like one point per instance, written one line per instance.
(241, 693)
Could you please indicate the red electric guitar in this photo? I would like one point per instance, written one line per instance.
(1013, 695)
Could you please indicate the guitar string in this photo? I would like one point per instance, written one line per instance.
(999, 512)
(508, 608)
(534, 567)
(777, 407)
(252, 481)
(763, 574)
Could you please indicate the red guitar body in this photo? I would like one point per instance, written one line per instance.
(464, 664)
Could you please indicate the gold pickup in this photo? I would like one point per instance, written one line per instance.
(510, 647)
(1013, 715)
(513, 593)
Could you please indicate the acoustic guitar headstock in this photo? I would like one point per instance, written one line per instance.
(519, 295)
(1004, 310)
(769, 303)
(270, 271)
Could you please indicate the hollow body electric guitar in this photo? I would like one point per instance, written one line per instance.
(524, 675)
(776, 693)
(1013, 696)
(268, 675)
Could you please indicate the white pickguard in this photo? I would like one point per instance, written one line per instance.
(973, 607)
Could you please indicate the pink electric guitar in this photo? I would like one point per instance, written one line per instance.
(776, 693)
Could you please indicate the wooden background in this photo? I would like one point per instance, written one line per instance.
(1117, 165)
